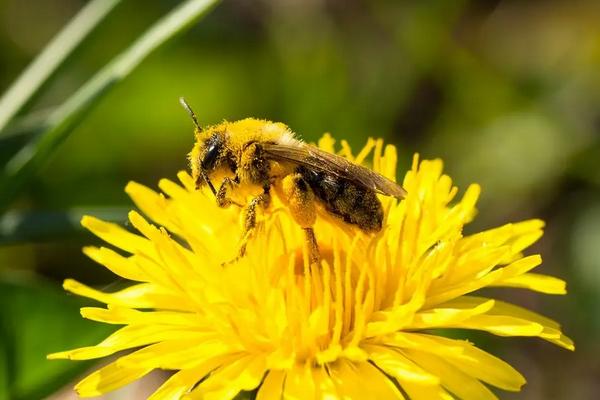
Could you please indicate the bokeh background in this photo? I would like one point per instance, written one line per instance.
(506, 92)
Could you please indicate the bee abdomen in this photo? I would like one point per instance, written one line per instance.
(352, 203)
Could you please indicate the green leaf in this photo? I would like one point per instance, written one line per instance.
(9, 145)
(20, 132)
(35, 320)
(18, 227)
(4, 368)
(51, 59)
(67, 116)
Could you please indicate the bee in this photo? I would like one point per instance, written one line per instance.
(267, 157)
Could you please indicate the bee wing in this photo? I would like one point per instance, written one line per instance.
(315, 158)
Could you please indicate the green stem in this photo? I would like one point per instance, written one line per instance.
(64, 118)
(54, 55)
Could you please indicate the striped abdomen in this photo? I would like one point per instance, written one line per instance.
(343, 198)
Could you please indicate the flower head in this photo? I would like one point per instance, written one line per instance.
(359, 325)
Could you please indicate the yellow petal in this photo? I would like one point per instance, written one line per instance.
(459, 383)
(466, 357)
(143, 295)
(523, 241)
(551, 329)
(154, 205)
(348, 329)
(501, 325)
(115, 235)
(383, 322)
(347, 383)
(537, 282)
(518, 267)
(179, 354)
(226, 382)
(447, 315)
(415, 381)
(427, 343)
(442, 294)
(360, 157)
(173, 190)
(484, 366)
(177, 385)
(186, 180)
(473, 264)
(109, 378)
(181, 382)
(362, 381)
(123, 315)
(128, 337)
(379, 385)
(122, 266)
(480, 315)
(551, 332)
(324, 386)
(499, 236)
(327, 143)
(272, 386)
(144, 227)
(429, 392)
(299, 384)
(397, 365)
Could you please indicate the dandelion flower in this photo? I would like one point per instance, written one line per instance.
(359, 325)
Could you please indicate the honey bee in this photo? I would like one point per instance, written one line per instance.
(267, 156)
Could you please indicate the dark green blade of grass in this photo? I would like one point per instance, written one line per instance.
(20, 132)
(30, 158)
(55, 55)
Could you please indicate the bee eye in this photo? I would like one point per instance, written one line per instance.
(208, 162)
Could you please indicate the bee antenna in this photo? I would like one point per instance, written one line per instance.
(190, 111)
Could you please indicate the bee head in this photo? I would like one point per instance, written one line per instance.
(209, 151)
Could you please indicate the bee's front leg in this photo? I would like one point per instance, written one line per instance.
(249, 219)
(221, 195)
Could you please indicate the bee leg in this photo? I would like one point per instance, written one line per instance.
(301, 203)
(313, 247)
(222, 200)
(263, 200)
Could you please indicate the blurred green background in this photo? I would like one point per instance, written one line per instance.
(506, 92)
